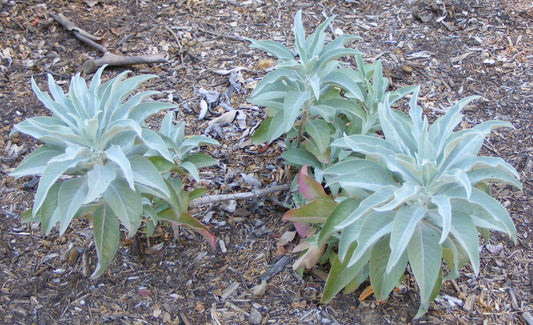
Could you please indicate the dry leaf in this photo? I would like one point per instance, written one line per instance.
(310, 258)
(286, 238)
(366, 293)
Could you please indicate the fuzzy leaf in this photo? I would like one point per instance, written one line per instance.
(106, 237)
(126, 205)
(405, 222)
(383, 279)
(425, 259)
(71, 196)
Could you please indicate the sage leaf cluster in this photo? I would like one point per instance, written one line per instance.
(419, 195)
(99, 160)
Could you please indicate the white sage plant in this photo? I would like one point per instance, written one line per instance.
(99, 160)
(419, 195)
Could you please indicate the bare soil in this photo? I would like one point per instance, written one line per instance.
(451, 48)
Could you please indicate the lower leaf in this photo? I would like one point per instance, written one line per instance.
(106, 229)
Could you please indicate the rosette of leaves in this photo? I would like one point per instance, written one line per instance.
(424, 197)
(307, 82)
(420, 197)
(95, 161)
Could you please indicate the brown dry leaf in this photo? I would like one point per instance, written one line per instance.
(299, 304)
(366, 293)
(310, 258)
(286, 238)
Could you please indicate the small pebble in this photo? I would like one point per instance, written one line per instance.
(255, 316)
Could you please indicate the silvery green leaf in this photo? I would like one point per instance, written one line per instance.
(168, 129)
(395, 133)
(47, 129)
(382, 278)
(283, 121)
(332, 54)
(273, 79)
(375, 227)
(77, 95)
(348, 238)
(479, 215)
(405, 193)
(314, 82)
(48, 213)
(346, 79)
(106, 237)
(200, 160)
(354, 173)
(154, 142)
(141, 111)
(98, 179)
(261, 134)
(322, 156)
(191, 168)
(424, 254)
(339, 43)
(96, 79)
(108, 105)
(299, 37)
(119, 90)
(71, 195)
(339, 105)
(406, 166)
(495, 209)
(454, 256)
(315, 41)
(499, 175)
(458, 177)
(369, 145)
(376, 199)
(58, 109)
(145, 173)
(379, 84)
(445, 212)
(70, 113)
(464, 232)
(318, 131)
(443, 127)
(116, 133)
(116, 155)
(36, 162)
(123, 110)
(403, 227)
(459, 149)
(489, 162)
(280, 51)
(50, 175)
(197, 140)
(125, 203)
(272, 100)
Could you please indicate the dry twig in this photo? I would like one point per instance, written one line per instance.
(107, 57)
(236, 196)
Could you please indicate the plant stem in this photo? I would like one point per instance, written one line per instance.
(236, 196)
(300, 130)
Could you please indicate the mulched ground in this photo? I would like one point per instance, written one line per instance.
(453, 49)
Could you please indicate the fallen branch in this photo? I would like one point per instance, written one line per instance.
(107, 57)
(236, 196)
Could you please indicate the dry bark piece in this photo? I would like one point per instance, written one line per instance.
(107, 57)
